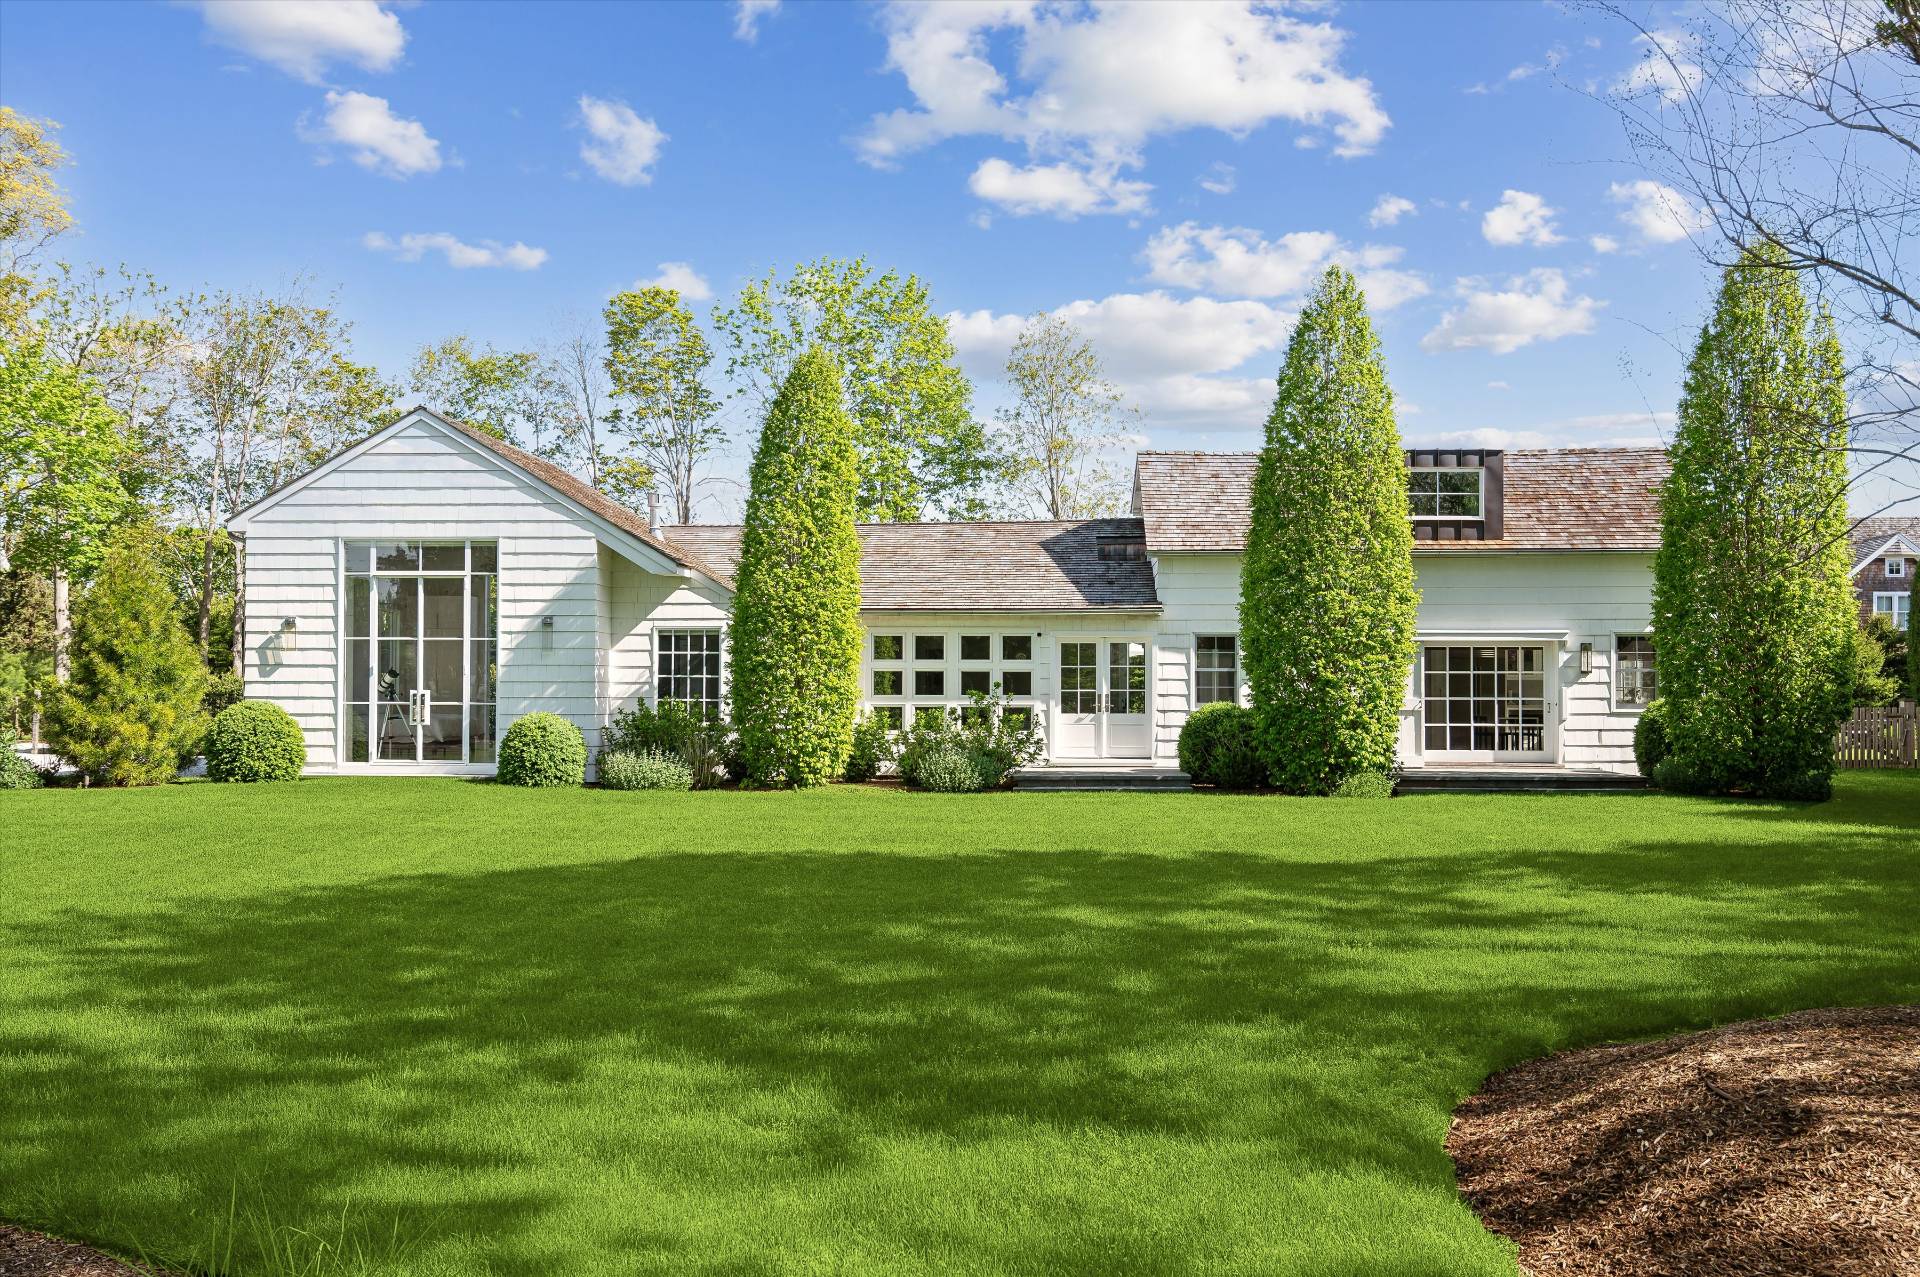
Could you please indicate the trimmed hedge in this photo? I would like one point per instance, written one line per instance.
(1650, 745)
(1219, 746)
(543, 751)
(255, 741)
(651, 769)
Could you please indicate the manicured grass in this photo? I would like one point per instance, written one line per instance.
(421, 1027)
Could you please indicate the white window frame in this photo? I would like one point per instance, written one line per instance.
(1894, 600)
(1480, 480)
(1896, 565)
(950, 666)
(660, 632)
(1239, 655)
(1613, 676)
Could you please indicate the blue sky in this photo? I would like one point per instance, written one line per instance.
(1171, 176)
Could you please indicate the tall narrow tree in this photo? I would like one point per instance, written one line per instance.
(657, 360)
(1327, 599)
(1754, 623)
(796, 614)
(1060, 424)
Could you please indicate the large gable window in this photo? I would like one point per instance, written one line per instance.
(688, 670)
(1444, 494)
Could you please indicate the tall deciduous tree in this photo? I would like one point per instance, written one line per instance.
(61, 455)
(33, 211)
(1062, 421)
(922, 453)
(796, 615)
(1755, 625)
(579, 363)
(130, 714)
(1327, 599)
(514, 395)
(657, 360)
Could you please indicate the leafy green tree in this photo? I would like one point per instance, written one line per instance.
(921, 452)
(1880, 661)
(26, 645)
(60, 458)
(796, 612)
(657, 361)
(1757, 628)
(1064, 417)
(130, 713)
(513, 395)
(1327, 599)
(33, 211)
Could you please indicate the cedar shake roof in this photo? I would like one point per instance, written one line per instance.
(1555, 499)
(583, 494)
(1869, 535)
(977, 567)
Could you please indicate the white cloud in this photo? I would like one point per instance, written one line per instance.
(1238, 262)
(748, 15)
(1666, 67)
(1389, 209)
(1537, 306)
(302, 36)
(1092, 85)
(1488, 437)
(682, 278)
(459, 254)
(621, 146)
(374, 136)
(1165, 353)
(1658, 213)
(1520, 218)
(1498, 385)
(1604, 244)
(1220, 179)
(1063, 190)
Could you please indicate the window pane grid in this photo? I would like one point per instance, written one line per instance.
(688, 668)
(1216, 672)
(1634, 682)
(420, 619)
(1444, 494)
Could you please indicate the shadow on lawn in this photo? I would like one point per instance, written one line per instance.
(315, 1044)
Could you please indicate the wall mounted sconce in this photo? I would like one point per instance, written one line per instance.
(546, 632)
(289, 635)
(1586, 658)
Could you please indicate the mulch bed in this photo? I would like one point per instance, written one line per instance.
(24, 1253)
(1788, 1146)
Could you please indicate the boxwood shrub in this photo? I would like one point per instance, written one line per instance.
(254, 741)
(1650, 747)
(1218, 747)
(649, 769)
(543, 751)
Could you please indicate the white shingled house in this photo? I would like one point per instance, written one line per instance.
(409, 597)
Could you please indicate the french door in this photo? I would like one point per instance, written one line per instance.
(421, 652)
(1486, 703)
(1103, 699)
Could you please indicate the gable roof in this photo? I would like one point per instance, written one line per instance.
(1556, 499)
(1871, 539)
(975, 567)
(616, 517)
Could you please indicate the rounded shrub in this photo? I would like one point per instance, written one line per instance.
(1650, 746)
(255, 741)
(15, 771)
(1219, 746)
(872, 748)
(543, 751)
(1365, 785)
(949, 768)
(1807, 787)
(649, 769)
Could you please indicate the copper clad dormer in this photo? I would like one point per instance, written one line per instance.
(1457, 494)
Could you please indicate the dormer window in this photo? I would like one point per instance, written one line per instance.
(1444, 493)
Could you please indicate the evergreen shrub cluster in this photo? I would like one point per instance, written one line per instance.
(255, 741)
(1220, 746)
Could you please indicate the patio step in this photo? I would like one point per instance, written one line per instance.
(1094, 778)
(1516, 780)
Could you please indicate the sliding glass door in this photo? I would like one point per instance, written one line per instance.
(421, 651)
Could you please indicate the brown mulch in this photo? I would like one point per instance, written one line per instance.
(1788, 1146)
(25, 1253)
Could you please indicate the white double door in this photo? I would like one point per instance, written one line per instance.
(1104, 699)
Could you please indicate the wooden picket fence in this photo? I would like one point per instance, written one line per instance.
(1883, 736)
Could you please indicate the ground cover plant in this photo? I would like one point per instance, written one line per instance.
(467, 1028)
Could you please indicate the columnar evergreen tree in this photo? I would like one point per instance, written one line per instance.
(1755, 626)
(1327, 599)
(130, 714)
(796, 614)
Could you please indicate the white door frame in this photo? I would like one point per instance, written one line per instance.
(1103, 734)
(1551, 708)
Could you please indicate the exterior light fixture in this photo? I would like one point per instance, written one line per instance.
(1586, 658)
(546, 631)
(289, 635)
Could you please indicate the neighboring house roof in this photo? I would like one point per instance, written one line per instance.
(1871, 539)
(1555, 499)
(976, 567)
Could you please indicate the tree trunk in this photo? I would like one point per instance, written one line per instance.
(203, 630)
(62, 625)
(239, 605)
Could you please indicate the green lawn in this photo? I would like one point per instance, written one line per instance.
(421, 1026)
